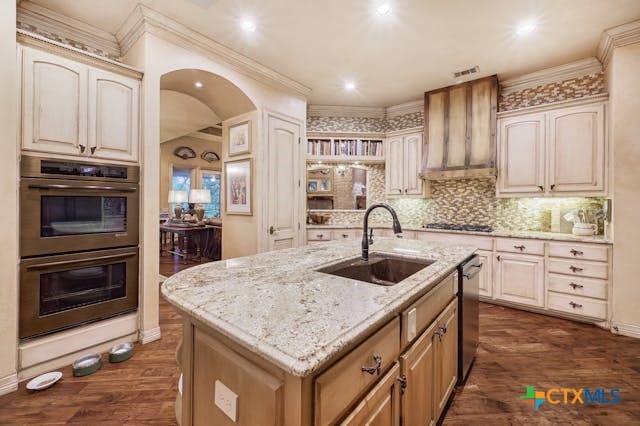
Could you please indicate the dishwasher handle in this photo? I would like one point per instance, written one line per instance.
(472, 271)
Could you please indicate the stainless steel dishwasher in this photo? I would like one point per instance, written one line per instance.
(468, 315)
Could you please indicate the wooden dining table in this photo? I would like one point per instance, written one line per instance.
(203, 240)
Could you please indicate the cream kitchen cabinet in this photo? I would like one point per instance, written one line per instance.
(70, 108)
(402, 166)
(486, 273)
(113, 116)
(520, 278)
(54, 98)
(555, 151)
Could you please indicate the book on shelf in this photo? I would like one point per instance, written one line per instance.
(345, 147)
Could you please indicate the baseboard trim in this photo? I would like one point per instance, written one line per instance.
(9, 384)
(629, 330)
(148, 336)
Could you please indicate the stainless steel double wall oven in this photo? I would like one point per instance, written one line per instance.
(78, 243)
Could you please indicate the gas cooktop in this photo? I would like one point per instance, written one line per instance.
(459, 227)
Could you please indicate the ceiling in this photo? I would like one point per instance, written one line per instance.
(392, 58)
(181, 115)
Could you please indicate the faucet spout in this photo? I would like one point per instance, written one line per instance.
(397, 229)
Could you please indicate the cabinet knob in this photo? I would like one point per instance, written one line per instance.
(575, 269)
(82, 148)
(93, 150)
(576, 252)
(575, 286)
(377, 359)
(403, 383)
(552, 186)
(498, 258)
(319, 235)
(541, 187)
(345, 235)
(400, 191)
(575, 305)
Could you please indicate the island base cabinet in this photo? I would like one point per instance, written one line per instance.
(446, 356)
(381, 406)
(229, 389)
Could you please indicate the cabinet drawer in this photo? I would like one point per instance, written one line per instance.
(318, 234)
(520, 246)
(577, 305)
(338, 387)
(346, 234)
(577, 286)
(579, 268)
(418, 316)
(578, 251)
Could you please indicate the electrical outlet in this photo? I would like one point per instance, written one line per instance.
(226, 400)
(411, 324)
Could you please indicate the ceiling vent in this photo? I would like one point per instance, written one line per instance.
(467, 72)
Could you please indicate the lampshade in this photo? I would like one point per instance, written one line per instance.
(202, 196)
(178, 197)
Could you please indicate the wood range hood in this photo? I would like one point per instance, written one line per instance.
(460, 131)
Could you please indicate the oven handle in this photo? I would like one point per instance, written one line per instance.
(69, 262)
(83, 187)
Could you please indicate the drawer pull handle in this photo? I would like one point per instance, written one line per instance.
(575, 269)
(376, 369)
(82, 148)
(541, 187)
(575, 305)
(574, 285)
(576, 252)
(521, 248)
(319, 235)
(403, 383)
(345, 235)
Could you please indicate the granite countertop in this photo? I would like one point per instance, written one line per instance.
(276, 305)
(538, 235)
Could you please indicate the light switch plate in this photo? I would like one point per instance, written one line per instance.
(226, 400)
(411, 324)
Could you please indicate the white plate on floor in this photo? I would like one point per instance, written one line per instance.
(44, 381)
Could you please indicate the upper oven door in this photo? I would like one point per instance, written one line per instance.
(63, 216)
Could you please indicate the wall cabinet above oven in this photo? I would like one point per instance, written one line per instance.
(71, 108)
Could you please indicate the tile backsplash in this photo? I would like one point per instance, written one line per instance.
(465, 201)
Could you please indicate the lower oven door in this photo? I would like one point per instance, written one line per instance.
(59, 292)
(63, 216)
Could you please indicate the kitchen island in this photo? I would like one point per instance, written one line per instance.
(270, 340)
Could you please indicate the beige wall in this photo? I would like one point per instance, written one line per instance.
(623, 79)
(167, 160)
(156, 57)
(9, 197)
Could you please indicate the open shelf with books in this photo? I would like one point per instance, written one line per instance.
(345, 149)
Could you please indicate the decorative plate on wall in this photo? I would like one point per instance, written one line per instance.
(184, 152)
(210, 156)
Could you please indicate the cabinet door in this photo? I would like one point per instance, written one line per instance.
(418, 368)
(520, 278)
(522, 160)
(113, 116)
(412, 163)
(394, 167)
(436, 108)
(54, 100)
(446, 361)
(486, 273)
(577, 149)
(381, 406)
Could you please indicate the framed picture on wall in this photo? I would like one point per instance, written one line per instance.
(238, 187)
(240, 138)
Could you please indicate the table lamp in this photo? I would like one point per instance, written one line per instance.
(199, 197)
(177, 197)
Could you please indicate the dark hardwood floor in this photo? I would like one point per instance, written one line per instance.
(516, 349)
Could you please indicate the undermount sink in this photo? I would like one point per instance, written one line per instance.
(381, 269)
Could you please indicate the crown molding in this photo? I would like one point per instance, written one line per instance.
(345, 111)
(551, 75)
(67, 28)
(144, 19)
(621, 35)
(405, 108)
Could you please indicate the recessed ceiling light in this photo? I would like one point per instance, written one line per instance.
(350, 86)
(248, 25)
(383, 9)
(526, 28)
(198, 84)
